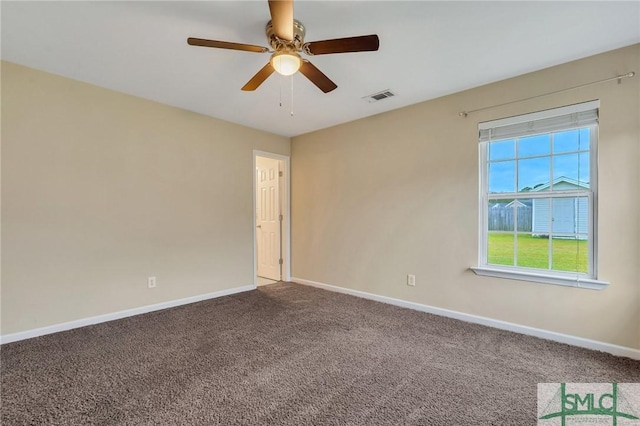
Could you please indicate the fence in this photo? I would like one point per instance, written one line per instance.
(501, 218)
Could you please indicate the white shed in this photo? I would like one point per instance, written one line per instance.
(570, 215)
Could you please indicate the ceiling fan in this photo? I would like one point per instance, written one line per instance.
(286, 38)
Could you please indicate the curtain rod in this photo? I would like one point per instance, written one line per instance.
(618, 77)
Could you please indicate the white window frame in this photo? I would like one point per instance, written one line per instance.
(573, 279)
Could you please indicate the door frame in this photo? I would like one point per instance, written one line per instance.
(285, 199)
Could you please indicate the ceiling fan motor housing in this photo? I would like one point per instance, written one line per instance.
(278, 44)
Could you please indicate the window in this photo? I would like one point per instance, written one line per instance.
(538, 196)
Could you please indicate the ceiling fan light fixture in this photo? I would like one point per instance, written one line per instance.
(286, 63)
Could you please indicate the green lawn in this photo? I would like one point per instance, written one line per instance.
(533, 252)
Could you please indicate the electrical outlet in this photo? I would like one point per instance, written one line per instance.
(411, 280)
(151, 282)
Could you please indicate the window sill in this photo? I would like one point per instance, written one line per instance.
(566, 281)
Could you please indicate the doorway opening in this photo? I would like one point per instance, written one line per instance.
(271, 214)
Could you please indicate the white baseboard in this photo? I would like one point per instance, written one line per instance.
(503, 325)
(14, 337)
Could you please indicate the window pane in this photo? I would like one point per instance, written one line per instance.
(534, 145)
(534, 174)
(502, 177)
(585, 139)
(533, 252)
(502, 150)
(500, 249)
(501, 215)
(582, 215)
(572, 140)
(570, 215)
(584, 173)
(524, 213)
(570, 254)
(563, 219)
(571, 171)
(540, 211)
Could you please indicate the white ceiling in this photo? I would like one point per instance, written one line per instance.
(427, 50)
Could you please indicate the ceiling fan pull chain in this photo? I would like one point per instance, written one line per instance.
(281, 93)
(292, 95)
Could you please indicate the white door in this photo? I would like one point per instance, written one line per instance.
(268, 217)
(563, 215)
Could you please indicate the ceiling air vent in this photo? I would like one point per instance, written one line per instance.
(379, 96)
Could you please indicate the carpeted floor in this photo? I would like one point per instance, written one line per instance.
(286, 354)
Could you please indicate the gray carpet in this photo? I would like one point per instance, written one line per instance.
(286, 354)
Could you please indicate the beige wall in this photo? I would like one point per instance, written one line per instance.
(101, 190)
(397, 193)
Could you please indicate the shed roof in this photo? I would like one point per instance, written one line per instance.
(556, 181)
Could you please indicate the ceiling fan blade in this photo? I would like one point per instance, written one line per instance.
(282, 18)
(226, 45)
(366, 43)
(317, 77)
(259, 78)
